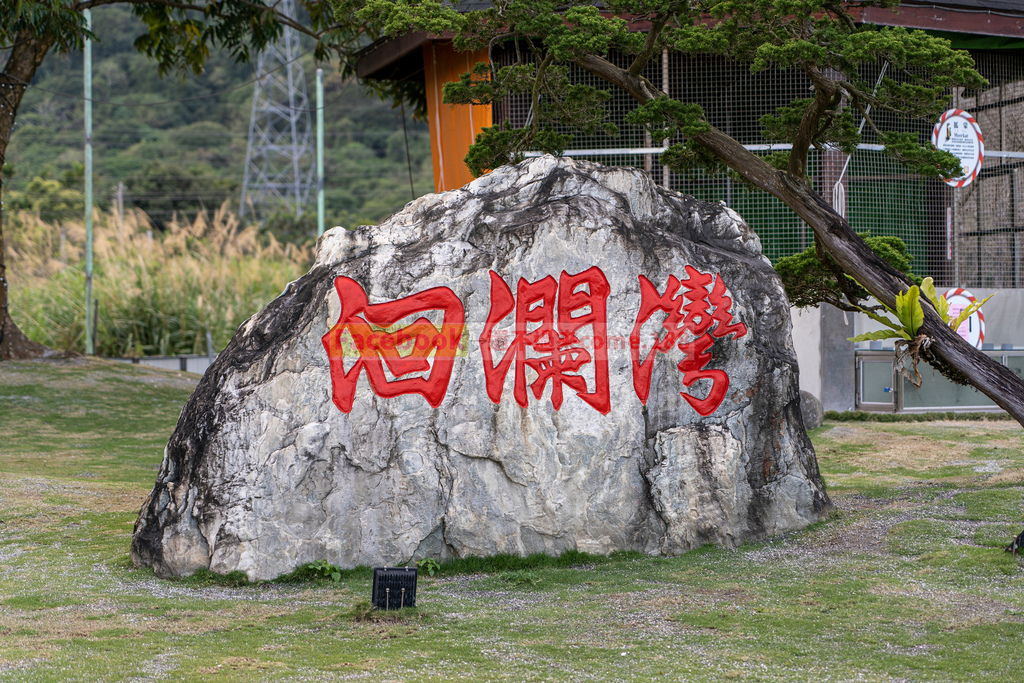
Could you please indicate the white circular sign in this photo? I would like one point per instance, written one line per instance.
(959, 134)
(972, 329)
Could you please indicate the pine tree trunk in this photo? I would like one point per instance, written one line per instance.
(26, 56)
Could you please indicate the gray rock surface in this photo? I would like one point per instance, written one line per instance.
(264, 473)
(811, 410)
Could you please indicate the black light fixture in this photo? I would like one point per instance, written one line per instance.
(393, 587)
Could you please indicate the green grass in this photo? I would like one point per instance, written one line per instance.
(909, 582)
(992, 504)
(919, 536)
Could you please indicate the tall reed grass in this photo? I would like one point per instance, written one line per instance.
(158, 292)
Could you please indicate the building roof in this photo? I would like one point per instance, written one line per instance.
(1010, 6)
(1000, 18)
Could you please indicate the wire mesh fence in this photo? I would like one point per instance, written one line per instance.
(969, 237)
(988, 215)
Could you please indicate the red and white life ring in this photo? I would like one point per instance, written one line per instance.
(972, 329)
(958, 132)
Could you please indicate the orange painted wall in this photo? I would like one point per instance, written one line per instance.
(452, 127)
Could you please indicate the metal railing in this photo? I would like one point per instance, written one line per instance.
(194, 363)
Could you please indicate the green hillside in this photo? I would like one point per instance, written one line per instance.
(178, 143)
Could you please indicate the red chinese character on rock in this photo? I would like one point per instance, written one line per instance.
(692, 323)
(367, 323)
(561, 351)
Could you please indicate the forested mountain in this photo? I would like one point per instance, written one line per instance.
(178, 142)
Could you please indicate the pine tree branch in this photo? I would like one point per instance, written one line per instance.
(538, 79)
(867, 117)
(641, 60)
(637, 86)
(824, 95)
(847, 287)
(284, 19)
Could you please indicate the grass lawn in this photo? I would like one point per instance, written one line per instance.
(908, 583)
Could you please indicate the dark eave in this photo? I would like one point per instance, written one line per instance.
(392, 58)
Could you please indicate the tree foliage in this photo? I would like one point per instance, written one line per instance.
(812, 278)
(818, 37)
(186, 153)
(181, 35)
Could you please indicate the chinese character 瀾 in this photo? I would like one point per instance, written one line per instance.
(367, 323)
(691, 325)
(551, 305)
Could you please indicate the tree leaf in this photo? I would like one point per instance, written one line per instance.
(941, 305)
(885, 321)
(909, 311)
(876, 335)
(928, 288)
(967, 312)
(901, 309)
(915, 311)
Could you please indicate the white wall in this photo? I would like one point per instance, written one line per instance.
(807, 341)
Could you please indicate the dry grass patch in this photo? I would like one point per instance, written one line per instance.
(1007, 476)
(885, 450)
(22, 495)
(242, 664)
(653, 611)
(362, 665)
(159, 292)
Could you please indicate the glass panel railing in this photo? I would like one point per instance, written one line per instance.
(876, 382)
(937, 392)
(1016, 363)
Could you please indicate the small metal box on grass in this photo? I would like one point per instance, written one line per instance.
(394, 587)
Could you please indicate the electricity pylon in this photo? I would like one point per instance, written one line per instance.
(279, 160)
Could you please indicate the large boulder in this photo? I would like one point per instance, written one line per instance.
(698, 441)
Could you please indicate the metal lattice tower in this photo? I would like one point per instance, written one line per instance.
(279, 161)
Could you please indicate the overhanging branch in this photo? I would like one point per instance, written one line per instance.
(641, 60)
(824, 94)
(637, 86)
